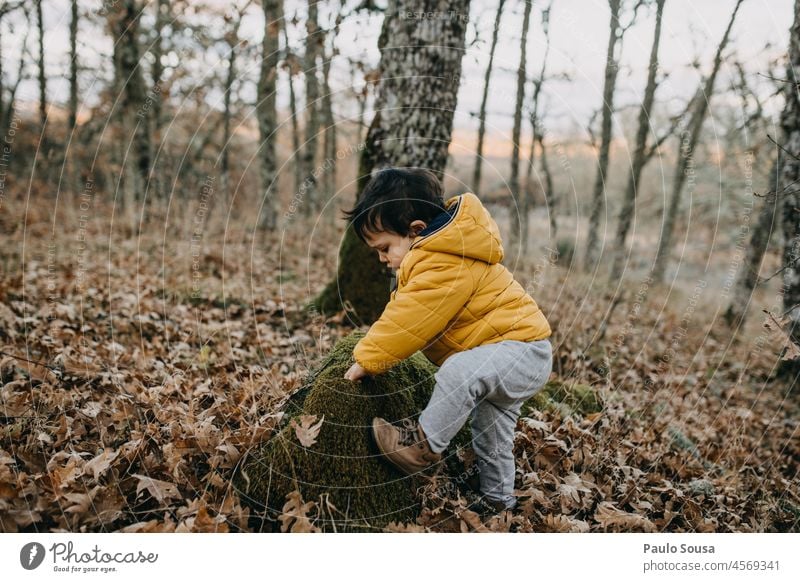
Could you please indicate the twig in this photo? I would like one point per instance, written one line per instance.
(54, 368)
(783, 148)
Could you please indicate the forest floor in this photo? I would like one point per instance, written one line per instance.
(156, 361)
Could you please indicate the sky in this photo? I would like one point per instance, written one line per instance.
(579, 33)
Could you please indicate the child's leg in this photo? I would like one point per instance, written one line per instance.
(470, 376)
(525, 369)
(461, 382)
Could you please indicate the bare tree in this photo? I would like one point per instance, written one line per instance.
(266, 113)
(788, 180)
(519, 226)
(42, 76)
(290, 63)
(412, 126)
(315, 39)
(537, 132)
(233, 41)
(747, 278)
(640, 154)
(163, 16)
(124, 19)
(329, 146)
(7, 107)
(73, 66)
(476, 177)
(688, 143)
(613, 52)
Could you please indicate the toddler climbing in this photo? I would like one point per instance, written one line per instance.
(464, 310)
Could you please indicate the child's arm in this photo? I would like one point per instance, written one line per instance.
(438, 287)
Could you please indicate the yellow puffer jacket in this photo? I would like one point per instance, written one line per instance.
(452, 295)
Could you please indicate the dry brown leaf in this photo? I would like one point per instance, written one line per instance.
(307, 431)
(564, 524)
(160, 490)
(294, 517)
(100, 464)
(570, 491)
(609, 516)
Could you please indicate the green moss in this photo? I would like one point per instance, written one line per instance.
(343, 463)
(566, 399)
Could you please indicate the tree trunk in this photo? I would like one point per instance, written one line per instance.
(518, 225)
(747, 276)
(42, 78)
(162, 18)
(226, 115)
(266, 114)
(538, 133)
(73, 66)
(609, 85)
(8, 108)
(686, 149)
(2, 88)
(330, 146)
(129, 82)
(412, 128)
(639, 155)
(314, 39)
(291, 64)
(788, 180)
(476, 177)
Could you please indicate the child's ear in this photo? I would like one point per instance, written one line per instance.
(417, 226)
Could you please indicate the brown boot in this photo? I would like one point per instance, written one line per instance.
(404, 446)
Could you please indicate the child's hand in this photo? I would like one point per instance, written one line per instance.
(356, 372)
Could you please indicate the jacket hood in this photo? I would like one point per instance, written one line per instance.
(469, 232)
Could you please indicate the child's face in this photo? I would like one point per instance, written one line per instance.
(392, 247)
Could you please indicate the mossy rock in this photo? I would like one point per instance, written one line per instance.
(566, 399)
(343, 463)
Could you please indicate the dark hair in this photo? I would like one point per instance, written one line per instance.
(394, 198)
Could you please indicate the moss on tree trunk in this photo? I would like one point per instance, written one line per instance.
(343, 463)
(361, 286)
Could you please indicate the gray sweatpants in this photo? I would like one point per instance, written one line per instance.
(488, 384)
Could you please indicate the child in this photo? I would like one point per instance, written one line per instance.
(464, 310)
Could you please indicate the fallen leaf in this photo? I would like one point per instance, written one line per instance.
(294, 517)
(609, 516)
(160, 490)
(307, 431)
(100, 463)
